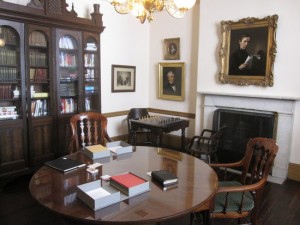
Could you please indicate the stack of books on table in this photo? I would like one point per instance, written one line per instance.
(165, 179)
(97, 151)
(120, 187)
(129, 184)
(119, 147)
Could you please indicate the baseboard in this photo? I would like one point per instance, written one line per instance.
(169, 140)
(294, 172)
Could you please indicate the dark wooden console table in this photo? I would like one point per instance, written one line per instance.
(160, 125)
(197, 185)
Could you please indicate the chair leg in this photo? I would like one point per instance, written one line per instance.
(191, 218)
(208, 156)
(206, 217)
(200, 218)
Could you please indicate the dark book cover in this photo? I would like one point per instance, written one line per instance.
(164, 177)
(64, 164)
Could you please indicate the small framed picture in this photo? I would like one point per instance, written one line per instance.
(123, 78)
(172, 49)
(248, 51)
(171, 81)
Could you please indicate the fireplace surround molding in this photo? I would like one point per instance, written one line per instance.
(284, 108)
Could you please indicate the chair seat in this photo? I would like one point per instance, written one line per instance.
(201, 148)
(234, 199)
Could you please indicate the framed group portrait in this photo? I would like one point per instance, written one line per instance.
(123, 78)
(172, 49)
(247, 52)
(171, 81)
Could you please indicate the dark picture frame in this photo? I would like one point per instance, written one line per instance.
(172, 48)
(261, 50)
(123, 78)
(165, 89)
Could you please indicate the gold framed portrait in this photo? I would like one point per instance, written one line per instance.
(171, 81)
(248, 51)
(172, 49)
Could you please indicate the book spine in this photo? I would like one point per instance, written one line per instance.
(157, 178)
(120, 187)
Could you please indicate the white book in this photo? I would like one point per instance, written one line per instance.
(249, 60)
(97, 196)
(97, 193)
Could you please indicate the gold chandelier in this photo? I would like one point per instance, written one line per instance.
(143, 9)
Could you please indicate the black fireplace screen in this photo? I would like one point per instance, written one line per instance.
(240, 127)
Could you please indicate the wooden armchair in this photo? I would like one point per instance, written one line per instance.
(88, 128)
(239, 200)
(206, 144)
(143, 136)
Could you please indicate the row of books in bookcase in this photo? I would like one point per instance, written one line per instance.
(67, 59)
(8, 91)
(38, 74)
(8, 35)
(37, 38)
(39, 107)
(8, 57)
(66, 42)
(8, 74)
(68, 105)
(38, 58)
(89, 60)
(89, 74)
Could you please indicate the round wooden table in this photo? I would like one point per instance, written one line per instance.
(197, 184)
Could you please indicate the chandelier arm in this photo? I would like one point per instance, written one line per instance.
(144, 9)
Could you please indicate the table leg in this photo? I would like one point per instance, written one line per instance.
(134, 138)
(183, 139)
(160, 140)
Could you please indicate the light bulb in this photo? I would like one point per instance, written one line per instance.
(2, 42)
(137, 9)
(184, 4)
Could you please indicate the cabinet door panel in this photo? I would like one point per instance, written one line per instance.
(40, 83)
(12, 148)
(42, 141)
(13, 123)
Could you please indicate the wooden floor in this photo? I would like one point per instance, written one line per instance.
(280, 207)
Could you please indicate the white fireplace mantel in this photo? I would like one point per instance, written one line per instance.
(283, 107)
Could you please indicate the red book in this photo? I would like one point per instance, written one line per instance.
(129, 183)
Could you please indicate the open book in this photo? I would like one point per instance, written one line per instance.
(249, 60)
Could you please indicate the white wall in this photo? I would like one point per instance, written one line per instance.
(286, 68)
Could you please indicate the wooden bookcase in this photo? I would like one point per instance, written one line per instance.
(49, 71)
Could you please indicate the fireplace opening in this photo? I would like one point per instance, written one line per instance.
(240, 127)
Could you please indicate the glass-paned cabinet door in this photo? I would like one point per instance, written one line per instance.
(91, 75)
(39, 86)
(68, 74)
(10, 74)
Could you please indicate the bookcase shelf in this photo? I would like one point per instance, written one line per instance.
(43, 64)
